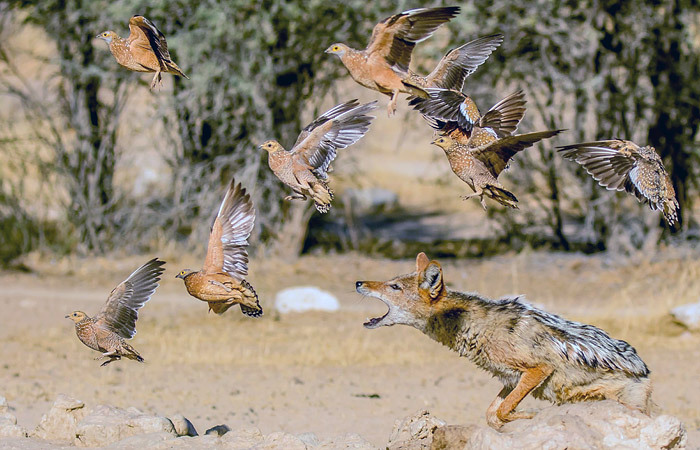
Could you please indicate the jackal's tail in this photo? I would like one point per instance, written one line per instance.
(502, 196)
(251, 307)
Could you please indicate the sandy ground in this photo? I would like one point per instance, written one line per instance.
(323, 372)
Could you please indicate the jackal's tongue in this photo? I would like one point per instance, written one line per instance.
(371, 323)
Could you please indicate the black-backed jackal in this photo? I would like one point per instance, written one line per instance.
(527, 349)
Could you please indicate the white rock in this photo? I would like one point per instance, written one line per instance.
(346, 441)
(107, 424)
(8, 422)
(59, 424)
(305, 298)
(242, 438)
(160, 439)
(414, 432)
(183, 427)
(688, 315)
(281, 441)
(606, 425)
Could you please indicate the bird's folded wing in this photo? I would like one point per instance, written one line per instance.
(121, 310)
(145, 35)
(394, 37)
(461, 62)
(319, 148)
(228, 240)
(497, 154)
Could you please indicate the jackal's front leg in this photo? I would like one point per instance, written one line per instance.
(502, 409)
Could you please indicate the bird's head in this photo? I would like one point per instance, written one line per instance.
(444, 142)
(107, 36)
(337, 49)
(76, 316)
(183, 273)
(271, 146)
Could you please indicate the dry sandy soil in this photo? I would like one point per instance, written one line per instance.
(323, 372)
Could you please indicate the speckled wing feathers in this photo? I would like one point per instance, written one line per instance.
(461, 62)
(121, 310)
(319, 147)
(497, 154)
(395, 36)
(623, 165)
(228, 240)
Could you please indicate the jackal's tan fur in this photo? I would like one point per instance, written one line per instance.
(527, 349)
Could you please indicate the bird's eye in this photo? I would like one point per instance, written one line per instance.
(336, 48)
(395, 286)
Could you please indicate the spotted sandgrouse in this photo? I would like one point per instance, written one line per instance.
(107, 331)
(304, 168)
(479, 147)
(145, 50)
(624, 166)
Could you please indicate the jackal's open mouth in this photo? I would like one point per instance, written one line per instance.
(372, 323)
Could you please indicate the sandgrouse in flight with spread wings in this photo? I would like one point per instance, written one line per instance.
(479, 147)
(145, 50)
(107, 331)
(624, 166)
(305, 167)
(221, 281)
(384, 65)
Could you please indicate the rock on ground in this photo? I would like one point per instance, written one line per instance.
(59, 424)
(107, 424)
(688, 316)
(414, 432)
(183, 427)
(8, 422)
(305, 298)
(606, 425)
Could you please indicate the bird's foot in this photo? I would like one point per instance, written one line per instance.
(295, 197)
(157, 81)
(221, 285)
(483, 202)
(391, 108)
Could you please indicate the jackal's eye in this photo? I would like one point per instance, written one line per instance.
(395, 286)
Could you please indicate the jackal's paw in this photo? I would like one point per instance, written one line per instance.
(496, 421)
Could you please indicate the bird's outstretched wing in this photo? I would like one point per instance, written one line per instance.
(144, 35)
(345, 126)
(461, 62)
(622, 165)
(448, 105)
(497, 154)
(503, 117)
(228, 240)
(394, 37)
(121, 310)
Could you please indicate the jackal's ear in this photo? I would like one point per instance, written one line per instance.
(430, 280)
(422, 262)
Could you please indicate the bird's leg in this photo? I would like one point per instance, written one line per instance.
(482, 200)
(477, 193)
(391, 108)
(221, 285)
(157, 78)
(296, 196)
(112, 358)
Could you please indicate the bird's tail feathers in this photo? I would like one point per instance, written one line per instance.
(249, 292)
(322, 195)
(502, 196)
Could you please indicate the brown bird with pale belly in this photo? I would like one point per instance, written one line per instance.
(107, 331)
(221, 281)
(305, 167)
(383, 65)
(479, 148)
(624, 166)
(145, 50)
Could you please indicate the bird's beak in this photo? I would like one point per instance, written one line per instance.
(432, 142)
(328, 50)
(99, 36)
(67, 317)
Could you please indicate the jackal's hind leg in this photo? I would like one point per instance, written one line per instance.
(502, 410)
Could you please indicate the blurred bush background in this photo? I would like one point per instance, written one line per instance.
(70, 115)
